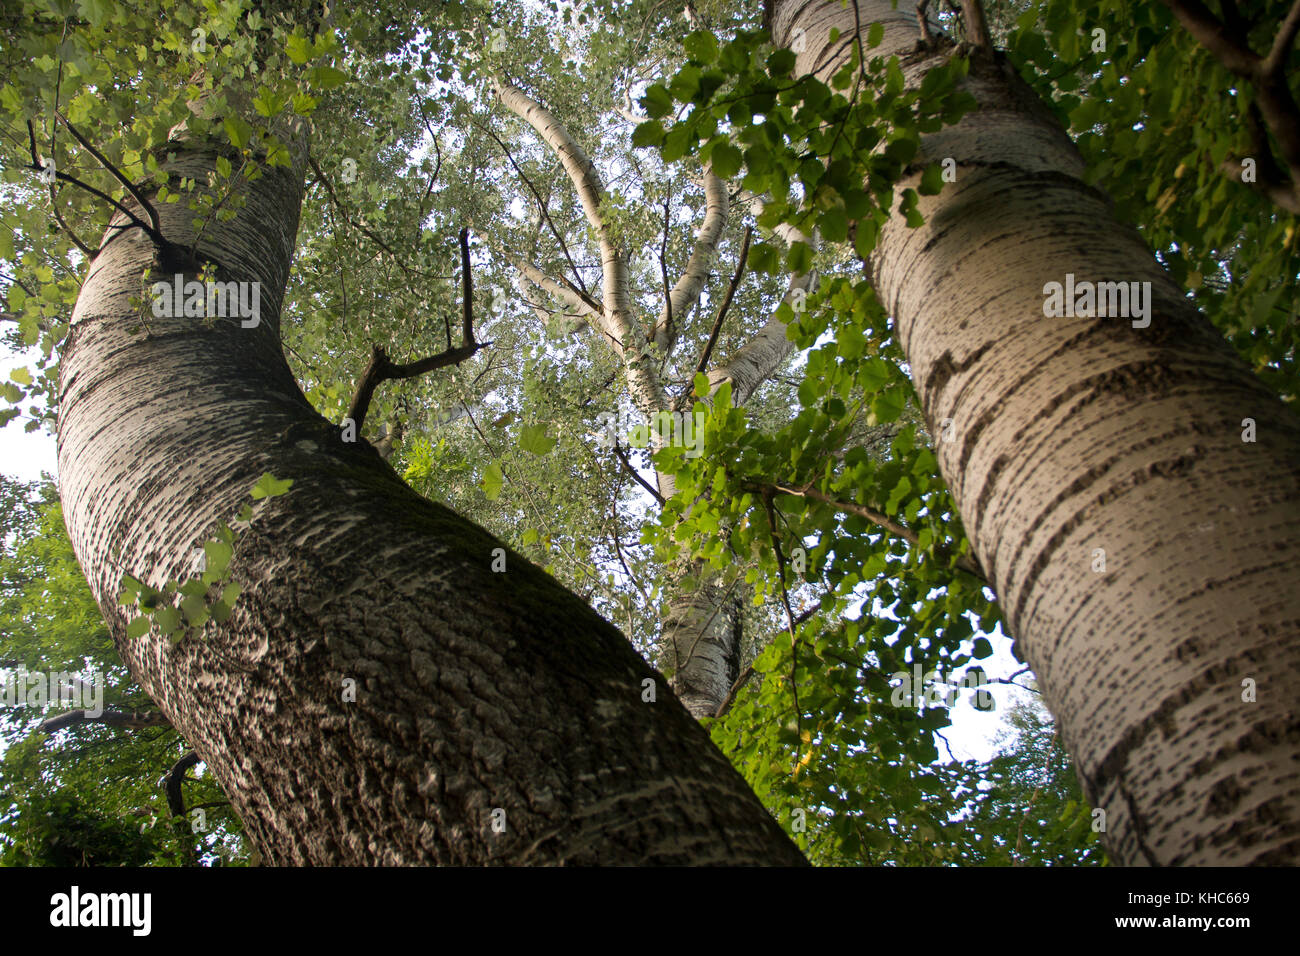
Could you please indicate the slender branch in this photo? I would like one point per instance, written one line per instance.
(789, 616)
(922, 21)
(172, 780)
(542, 208)
(1210, 33)
(1275, 62)
(131, 720)
(703, 363)
(1273, 97)
(687, 290)
(116, 173)
(381, 368)
(37, 165)
(977, 25)
(741, 681)
(618, 451)
(875, 517)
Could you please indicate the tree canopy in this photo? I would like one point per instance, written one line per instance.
(812, 500)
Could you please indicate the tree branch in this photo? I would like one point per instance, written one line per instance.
(381, 368)
(541, 206)
(687, 290)
(618, 451)
(703, 363)
(114, 171)
(172, 780)
(977, 25)
(130, 720)
(965, 562)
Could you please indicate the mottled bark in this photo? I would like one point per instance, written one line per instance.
(475, 691)
(1077, 436)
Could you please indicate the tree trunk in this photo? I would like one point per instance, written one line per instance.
(476, 691)
(1083, 440)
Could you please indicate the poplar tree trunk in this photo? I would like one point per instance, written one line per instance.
(483, 700)
(1077, 436)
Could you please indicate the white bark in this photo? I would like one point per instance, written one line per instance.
(1075, 436)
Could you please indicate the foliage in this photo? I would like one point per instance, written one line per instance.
(409, 145)
(88, 794)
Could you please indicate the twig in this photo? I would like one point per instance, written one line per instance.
(116, 173)
(381, 368)
(618, 451)
(703, 363)
(875, 517)
(727, 701)
(545, 213)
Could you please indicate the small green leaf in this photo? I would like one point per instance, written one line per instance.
(138, 628)
(701, 46)
(657, 101)
(326, 77)
(268, 486)
(726, 160)
(648, 134)
(492, 481)
(217, 556)
(298, 48)
(534, 439)
(195, 610)
(238, 130)
(167, 618)
(701, 385)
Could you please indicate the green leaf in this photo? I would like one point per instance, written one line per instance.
(534, 439)
(195, 610)
(931, 180)
(326, 77)
(217, 557)
(138, 627)
(780, 63)
(298, 48)
(982, 648)
(657, 102)
(726, 160)
(492, 481)
(648, 134)
(701, 385)
(167, 618)
(268, 486)
(22, 376)
(238, 130)
(875, 34)
(701, 46)
(834, 225)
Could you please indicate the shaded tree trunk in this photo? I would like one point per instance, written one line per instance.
(476, 691)
(1077, 436)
